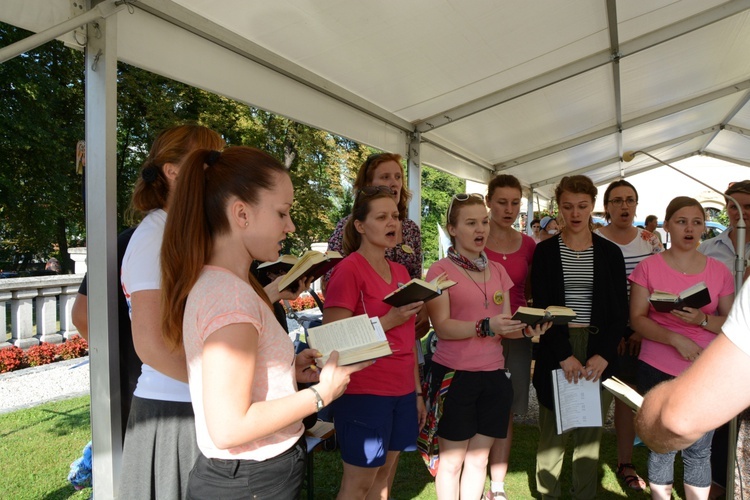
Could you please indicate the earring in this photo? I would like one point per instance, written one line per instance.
(247, 223)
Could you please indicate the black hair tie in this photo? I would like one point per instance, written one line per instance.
(212, 158)
(150, 173)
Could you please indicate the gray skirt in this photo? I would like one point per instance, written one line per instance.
(160, 450)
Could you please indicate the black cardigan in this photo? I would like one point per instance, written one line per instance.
(609, 311)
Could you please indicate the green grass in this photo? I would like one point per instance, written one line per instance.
(37, 446)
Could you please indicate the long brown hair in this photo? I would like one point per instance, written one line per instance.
(366, 174)
(171, 146)
(362, 202)
(206, 183)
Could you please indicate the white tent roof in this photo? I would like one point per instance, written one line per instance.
(536, 89)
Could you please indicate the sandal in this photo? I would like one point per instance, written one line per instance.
(632, 481)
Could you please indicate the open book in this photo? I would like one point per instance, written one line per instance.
(576, 405)
(312, 264)
(532, 316)
(280, 266)
(696, 296)
(623, 392)
(356, 339)
(417, 289)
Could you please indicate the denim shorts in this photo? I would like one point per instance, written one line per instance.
(277, 478)
(368, 427)
(696, 458)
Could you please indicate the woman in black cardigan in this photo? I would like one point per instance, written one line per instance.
(583, 271)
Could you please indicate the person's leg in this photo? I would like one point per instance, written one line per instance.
(697, 468)
(447, 480)
(625, 429)
(475, 466)
(499, 458)
(356, 481)
(549, 455)
(586, 442)
(661, 474)
(381, 486)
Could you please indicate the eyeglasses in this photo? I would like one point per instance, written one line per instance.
(373, 190)
(462, 197)
(618, 202)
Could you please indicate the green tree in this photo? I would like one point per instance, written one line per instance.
(41, 120)
(437, 190)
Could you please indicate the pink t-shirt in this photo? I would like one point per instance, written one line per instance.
(219, 298)
(356, 287)
(517, 266)
(653, 273)
(473, 354)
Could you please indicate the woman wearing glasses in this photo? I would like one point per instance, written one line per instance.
(583, 271)
(620, 202)
(514, 251)
(471, 320)
(672, 341)
(382, 410)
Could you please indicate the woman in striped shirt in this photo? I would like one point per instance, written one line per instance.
(583, 271)
(620, 202)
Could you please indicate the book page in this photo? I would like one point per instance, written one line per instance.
(623, 392)
(576, 405)
(344, 334)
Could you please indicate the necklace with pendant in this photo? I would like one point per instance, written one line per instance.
(484, 292)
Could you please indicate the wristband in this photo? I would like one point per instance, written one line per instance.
(486, 330)
(704, 323)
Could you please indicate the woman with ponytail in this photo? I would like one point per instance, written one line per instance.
(231, 208)
(160, 446)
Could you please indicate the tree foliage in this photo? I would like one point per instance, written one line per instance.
(437, 190)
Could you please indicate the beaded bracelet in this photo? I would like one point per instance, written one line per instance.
(478, 328)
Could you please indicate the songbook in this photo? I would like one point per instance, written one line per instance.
(312, 264)
(280, 266)
(576, 405)
(356, 339)
(696, 296)
(418, 290)
(623, 392)
(532, 316)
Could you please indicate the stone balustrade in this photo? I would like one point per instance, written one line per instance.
(37, 301)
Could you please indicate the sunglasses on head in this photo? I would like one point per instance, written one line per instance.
(462, 197)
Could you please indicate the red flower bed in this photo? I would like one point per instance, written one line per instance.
(305, 302)
(11, 358)
(14, 358)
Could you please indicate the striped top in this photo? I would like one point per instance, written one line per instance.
(578, 275)
(643, 245)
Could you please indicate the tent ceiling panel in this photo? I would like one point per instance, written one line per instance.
(145, 41)
(438, 158)
(382, 49)
(38, 15)
(678, 124)
(571, 160)
(730, 144)
(668, 153)
(701, 61)
(640, 18)
(742, 118)
(565, 110)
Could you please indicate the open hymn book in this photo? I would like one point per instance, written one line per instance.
(312, 264)
(532, 316)
(418, 290)
(576, 405)
(696, 297)
(356, 339)
(623, 392)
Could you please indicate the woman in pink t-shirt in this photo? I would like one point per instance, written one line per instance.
(673, 340)
(230, 208)
(514, 251)
(382, 410)
(470, 321)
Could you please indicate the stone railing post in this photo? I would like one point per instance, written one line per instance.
(67, 298)
(21, 323)
(46, 315)
(4, 298)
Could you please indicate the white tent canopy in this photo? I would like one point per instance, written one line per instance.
(536, 89)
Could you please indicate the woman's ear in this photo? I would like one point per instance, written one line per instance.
(359, 227)
(239, 214)
(170, 171)
(451, 230)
